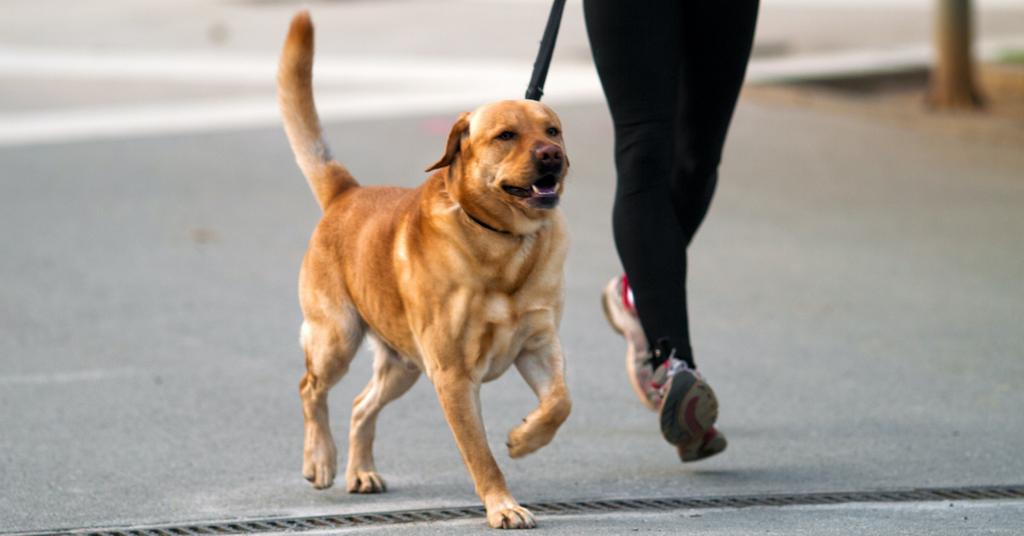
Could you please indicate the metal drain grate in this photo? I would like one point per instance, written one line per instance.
(298, 524)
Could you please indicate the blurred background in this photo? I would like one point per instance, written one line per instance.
(115, 68)
(857, 289)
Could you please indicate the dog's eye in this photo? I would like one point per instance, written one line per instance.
(552, 131)
(506, 135)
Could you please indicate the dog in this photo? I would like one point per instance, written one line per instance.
(460, 279)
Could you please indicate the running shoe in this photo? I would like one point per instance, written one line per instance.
(617, 301)
(664, 383)
(688, 406)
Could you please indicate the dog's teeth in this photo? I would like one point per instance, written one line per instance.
(542, 191)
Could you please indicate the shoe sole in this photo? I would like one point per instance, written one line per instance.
(608, 313)
(705, 450)
(630, 358)
(690, 409)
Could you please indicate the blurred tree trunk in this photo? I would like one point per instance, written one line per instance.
(952, 83)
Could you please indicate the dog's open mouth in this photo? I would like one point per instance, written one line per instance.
(544, 187)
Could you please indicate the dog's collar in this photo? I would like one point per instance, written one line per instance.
(482, 224)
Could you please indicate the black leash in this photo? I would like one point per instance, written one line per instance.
(547, 48)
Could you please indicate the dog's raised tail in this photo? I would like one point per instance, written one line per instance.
(327, 178)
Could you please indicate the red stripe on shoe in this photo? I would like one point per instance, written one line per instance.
(625, 294)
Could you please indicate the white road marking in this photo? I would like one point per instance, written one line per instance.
(243, 68)
(408, 86)
(212, 115)
(66, 377)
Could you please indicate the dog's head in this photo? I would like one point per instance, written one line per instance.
(507, 164)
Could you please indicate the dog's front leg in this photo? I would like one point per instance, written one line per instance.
(543, 369)
(460, 400)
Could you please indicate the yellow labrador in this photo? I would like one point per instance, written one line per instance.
(459, 278)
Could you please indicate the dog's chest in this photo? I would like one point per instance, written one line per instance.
(506, 328)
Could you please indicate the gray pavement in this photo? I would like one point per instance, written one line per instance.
(856, 301)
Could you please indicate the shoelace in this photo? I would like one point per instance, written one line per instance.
(664, 352)
(676, 365)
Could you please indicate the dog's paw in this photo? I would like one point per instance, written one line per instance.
(510, 516)
(525, 438)
(365, 482)
(319, 465)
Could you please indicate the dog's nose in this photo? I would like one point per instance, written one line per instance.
(548, 155)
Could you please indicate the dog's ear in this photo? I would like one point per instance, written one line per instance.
(459, 129)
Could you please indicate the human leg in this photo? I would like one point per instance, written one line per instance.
(636, 51)
(671, 104)
(714, 44)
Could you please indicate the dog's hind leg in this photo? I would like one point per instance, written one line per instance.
(391, 379)
(329, 345)
(544, 370)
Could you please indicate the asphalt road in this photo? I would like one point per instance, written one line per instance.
(856, 301)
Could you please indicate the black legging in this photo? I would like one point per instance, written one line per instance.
(671, 71)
